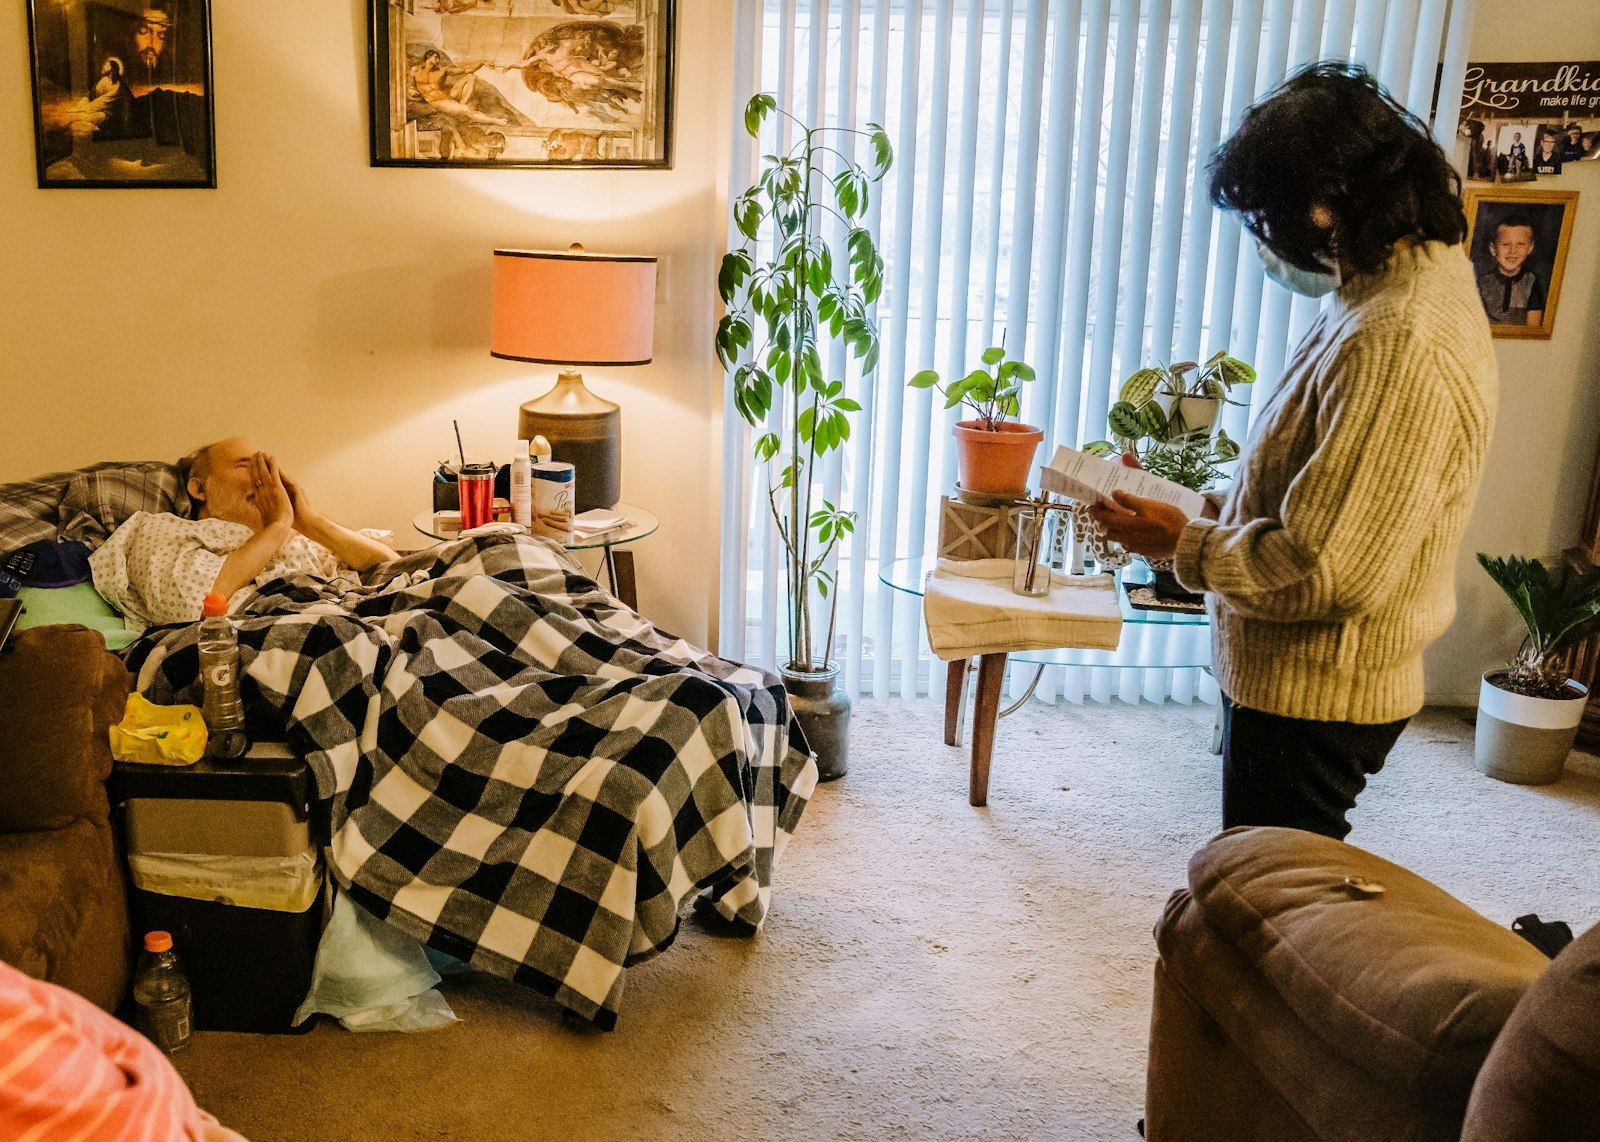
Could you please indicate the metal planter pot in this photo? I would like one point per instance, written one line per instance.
(1525, 740)
(823, 711)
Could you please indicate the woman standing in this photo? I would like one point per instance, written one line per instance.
(1330, 566)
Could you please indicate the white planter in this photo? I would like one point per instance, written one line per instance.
(1525, 740)
(1192, 414)
(1199, 413)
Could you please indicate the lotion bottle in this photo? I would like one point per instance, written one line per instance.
(522, 486)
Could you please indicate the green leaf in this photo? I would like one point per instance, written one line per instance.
(1022, 371)
(806, 423)
(756, 110)
(1099, 448)
(1215, 357)
(767, 447)
(846, 404)
(992, 355)
(882, 150)
(924, 380)
(1153, 421)
(1140, 387)
(1236, 372)
(1124, 420)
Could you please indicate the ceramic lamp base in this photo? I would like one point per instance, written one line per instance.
(583, 430)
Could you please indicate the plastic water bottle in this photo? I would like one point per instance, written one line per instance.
(219, 669)
(163, 1007)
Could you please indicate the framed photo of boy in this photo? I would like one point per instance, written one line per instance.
(497, 83)
(122, 93)
(1517, 240)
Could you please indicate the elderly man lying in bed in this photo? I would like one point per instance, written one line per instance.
(519, 771)
(252, 524)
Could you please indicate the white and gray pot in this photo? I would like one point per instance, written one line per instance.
(1193, 414)
(1522, 739)
(822, 711)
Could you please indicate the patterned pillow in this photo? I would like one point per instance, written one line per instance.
(88, 504)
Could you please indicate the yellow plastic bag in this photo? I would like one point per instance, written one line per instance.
(159, 735)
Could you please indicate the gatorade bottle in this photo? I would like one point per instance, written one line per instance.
(219, 669)
(163, 1008)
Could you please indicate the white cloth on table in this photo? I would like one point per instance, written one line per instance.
(158, 568)
(971, 609)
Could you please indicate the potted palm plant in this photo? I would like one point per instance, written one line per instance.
(811, 288)
(1528, 712)
(1167, 416)
(993, 455)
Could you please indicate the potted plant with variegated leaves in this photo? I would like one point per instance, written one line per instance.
(814, 288)
(1166, 415)
(994, 455)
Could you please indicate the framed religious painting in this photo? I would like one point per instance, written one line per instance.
(1518, 241)
(522, 83)
(122, 93)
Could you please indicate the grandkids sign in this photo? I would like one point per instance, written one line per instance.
(1531, 91)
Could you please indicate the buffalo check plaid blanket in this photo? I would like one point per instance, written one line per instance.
(521, 772)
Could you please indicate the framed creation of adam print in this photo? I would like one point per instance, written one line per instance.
(1518, 241)
(522, 83)
(122, 93)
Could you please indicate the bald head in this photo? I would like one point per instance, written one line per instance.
(217, 477)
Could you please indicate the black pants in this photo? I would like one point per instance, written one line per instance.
(1297, 773)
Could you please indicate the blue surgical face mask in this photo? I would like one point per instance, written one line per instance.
(1306, 283)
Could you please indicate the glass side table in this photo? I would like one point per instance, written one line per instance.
(618, 565)
(1159, 640)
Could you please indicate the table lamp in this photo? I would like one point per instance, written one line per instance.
(568, 309)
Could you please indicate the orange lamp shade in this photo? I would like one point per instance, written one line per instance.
(573, 308)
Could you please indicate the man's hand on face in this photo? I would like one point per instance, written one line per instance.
(304, 513)
(272, 499)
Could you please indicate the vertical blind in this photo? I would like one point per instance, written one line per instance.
(1049, 187)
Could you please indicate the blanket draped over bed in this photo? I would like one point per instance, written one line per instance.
(521, 772)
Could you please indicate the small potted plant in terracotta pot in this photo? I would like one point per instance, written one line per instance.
(1529, 711)
(994, 455)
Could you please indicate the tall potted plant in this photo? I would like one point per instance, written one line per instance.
(1528, 712)
(993, 454)
(813, 288)
(1166, 415)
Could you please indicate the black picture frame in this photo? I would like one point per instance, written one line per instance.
(491, 62)
(122, 94)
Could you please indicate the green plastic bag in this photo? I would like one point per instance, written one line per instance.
(159, 735)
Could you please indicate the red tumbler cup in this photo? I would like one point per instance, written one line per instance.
(475, 483)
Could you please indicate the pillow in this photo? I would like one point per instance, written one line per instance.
(98, 500)
(81, 604)
(88, 504)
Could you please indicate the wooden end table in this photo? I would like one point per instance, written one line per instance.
(618, 565)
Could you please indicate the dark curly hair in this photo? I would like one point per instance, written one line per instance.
(1331, 136)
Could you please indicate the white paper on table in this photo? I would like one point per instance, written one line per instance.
(1089, 479)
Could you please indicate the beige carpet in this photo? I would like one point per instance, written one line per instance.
(929, 970)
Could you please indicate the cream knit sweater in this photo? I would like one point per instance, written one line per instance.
(1332, 566)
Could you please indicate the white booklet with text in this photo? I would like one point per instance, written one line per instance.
(1087, 479)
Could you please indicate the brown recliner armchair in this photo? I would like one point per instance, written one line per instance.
(63, 901)
(1307, 989)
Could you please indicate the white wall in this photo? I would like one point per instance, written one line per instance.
(1537, 479)
(338, 313)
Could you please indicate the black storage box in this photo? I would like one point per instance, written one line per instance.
(187, 830)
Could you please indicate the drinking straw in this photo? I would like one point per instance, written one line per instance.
(463, 451)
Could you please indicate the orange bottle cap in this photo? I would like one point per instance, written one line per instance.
(157, 942)
(214, 605)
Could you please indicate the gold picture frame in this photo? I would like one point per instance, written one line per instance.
(1528, 231)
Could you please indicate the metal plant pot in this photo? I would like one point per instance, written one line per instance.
(823, 711)
(1525, 740)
